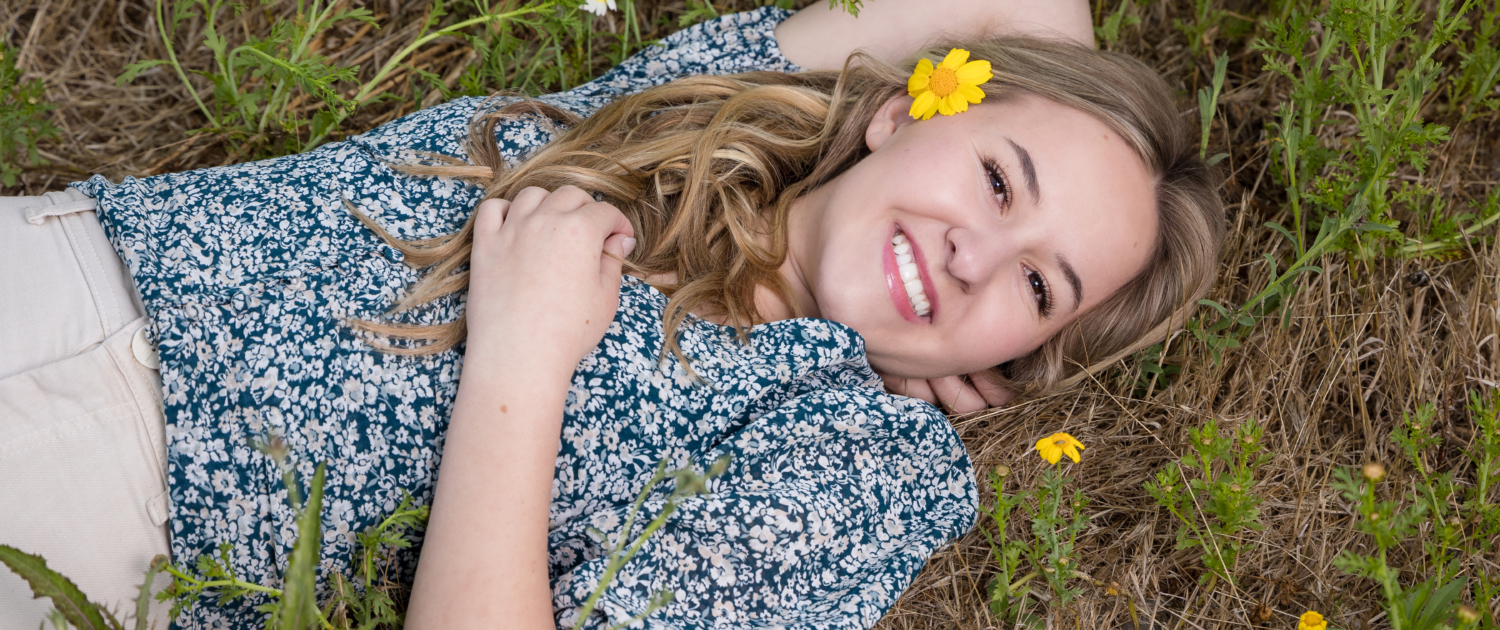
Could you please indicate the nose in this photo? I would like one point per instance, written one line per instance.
(975, 258)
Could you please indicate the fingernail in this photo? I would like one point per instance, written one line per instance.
(629, 246)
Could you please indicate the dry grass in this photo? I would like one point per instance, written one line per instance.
(1368, 340)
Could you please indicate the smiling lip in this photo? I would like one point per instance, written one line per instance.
(897, 289)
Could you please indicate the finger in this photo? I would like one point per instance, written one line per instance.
(489, 216)
(956, 394)
(527, 201)
(566, 199)
(606, 214)
(909, 387)
(994, 394)
(921, 389)
(616, 249)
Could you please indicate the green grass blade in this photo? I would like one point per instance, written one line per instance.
(299, 603)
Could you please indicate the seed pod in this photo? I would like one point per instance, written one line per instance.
(1467, 614)
(1374, 472)
(1002, 471)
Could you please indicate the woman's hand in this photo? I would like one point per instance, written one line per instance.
(544, 277)
(957, 394)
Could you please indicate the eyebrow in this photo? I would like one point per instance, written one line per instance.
(1028, 170)
(1072, 277)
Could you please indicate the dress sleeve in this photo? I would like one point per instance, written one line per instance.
(829, 508)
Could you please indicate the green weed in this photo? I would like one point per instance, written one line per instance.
(1368, 60)
(23, 118)
(1473, 88)
(1109, 25)
(1007, 590)
(1057, 518)
(1208, 106)
(257, 83)
(364, 603)
(1460, 519)
(1211, 495)
(542, 52)
(688, 483)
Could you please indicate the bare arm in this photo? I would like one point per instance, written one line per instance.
(821, 38)
(544, 285)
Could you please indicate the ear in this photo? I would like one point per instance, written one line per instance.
(890, 117)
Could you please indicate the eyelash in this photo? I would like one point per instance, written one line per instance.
(1001, 185)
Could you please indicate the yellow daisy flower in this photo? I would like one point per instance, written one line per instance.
(1311, 621)
(1054, 446)
(949, 87)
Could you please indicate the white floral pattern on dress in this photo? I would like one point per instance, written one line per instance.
(836, 493)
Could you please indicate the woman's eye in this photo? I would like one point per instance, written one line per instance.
(1039, 289)
(997, 182)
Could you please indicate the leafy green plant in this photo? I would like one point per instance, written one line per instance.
(1008, 590)
(1056, 520)
(23, 118)
(257, 83)
(1208, 107)
(70, 607)
(293, 607)
(1461, 522)
(1205, 23)
(544, 51)
(1367, 60)
(1211, 495)
(1109, 26)
(1473, 88)
(1153, 373)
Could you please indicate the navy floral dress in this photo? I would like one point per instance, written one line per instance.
(835, 495)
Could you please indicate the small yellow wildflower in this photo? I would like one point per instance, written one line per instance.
(1311, 620)
(1054, 446)
(949, 87)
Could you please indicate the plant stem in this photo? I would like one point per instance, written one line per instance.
(161, 27)
(366, 91)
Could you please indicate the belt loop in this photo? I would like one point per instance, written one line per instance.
(36, 215)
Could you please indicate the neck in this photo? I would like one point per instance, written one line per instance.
(799, 231)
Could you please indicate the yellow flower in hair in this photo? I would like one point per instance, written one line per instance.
(1054, 446)
(949, 87)
(1311, 620)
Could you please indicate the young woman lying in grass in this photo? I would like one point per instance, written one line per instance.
(717, 266)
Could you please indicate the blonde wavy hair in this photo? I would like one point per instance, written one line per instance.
(706, 168)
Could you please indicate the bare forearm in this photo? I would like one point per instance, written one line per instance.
(484, 563)
(819, 37)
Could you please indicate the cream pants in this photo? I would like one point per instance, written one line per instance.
(82, 438)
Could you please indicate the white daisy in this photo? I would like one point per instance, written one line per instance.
(598, 7)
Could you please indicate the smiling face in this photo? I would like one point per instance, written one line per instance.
(965, 241)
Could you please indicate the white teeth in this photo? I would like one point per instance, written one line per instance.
(906, 264)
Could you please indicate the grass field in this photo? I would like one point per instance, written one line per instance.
(1354, 321)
